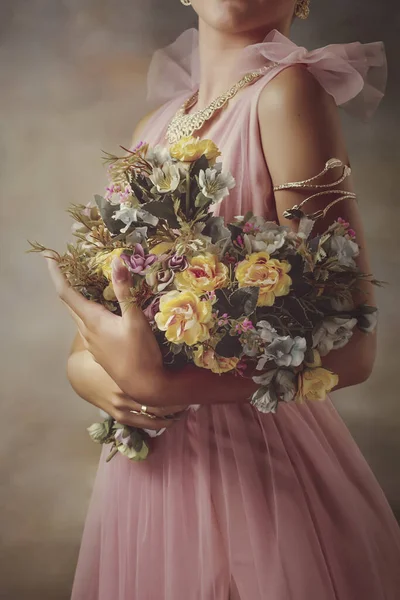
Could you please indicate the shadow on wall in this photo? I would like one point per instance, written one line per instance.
(73, 82)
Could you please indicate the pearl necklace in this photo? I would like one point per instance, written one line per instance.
(183, 125)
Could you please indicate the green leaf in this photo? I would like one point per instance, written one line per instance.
(243, 301)
(201, 164)
(235, 230)
(216, 230)
(229, 346)
(137, 440)
(163, 209)
(247, 217)
(223, 305)
(140, 188)
(201, 201)
(106, 211)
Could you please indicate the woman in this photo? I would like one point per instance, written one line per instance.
(235, 504)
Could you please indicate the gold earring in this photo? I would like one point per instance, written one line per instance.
(186, 2)
(302, 9)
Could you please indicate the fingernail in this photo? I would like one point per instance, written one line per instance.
(119, 271)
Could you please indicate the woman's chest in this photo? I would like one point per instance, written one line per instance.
(236, 133)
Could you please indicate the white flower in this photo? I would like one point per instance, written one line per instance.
(262, 399)
(275, 386)
(286, 387)
(166, 179)
(129, 214)
(345, 250)
(158, 155)
(214, 184)
(266, 332)
(285, 351)
(333, 333)
(270, 239)
(137, 236)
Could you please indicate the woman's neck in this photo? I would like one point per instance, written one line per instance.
(218, 52)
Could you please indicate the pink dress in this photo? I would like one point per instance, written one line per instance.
(233, 504)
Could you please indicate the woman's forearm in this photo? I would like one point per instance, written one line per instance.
(353, 364)
(200, 386)
(85, 377)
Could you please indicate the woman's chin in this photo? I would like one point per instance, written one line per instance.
(227, 15)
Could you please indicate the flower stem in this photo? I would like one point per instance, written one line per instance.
(187, 194)
(113, 452)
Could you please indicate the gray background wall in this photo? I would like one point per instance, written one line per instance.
(72, 76)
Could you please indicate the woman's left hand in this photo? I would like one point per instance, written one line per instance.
(124, 346)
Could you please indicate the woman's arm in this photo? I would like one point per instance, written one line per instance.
(93, 384)
(300, 130)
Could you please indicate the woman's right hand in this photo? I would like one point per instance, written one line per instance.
(91, 382)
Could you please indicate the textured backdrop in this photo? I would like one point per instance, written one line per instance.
(72, 77)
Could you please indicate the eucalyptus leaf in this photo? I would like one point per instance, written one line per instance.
(163, 209)
(216, 230)
(107, 210)
(136, 440)
(244, 301)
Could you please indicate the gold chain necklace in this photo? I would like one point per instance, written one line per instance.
(183, 125)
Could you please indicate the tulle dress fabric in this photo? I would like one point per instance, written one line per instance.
(233, 504)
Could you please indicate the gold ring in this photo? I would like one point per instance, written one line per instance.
(143, 411)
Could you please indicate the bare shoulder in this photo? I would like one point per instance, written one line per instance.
(141, 125)
(294, 89)
(300, 126)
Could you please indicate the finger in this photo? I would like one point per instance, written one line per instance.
(80, 308)
(162, 411)
(122, 283)
(143, 422)
(126, 404)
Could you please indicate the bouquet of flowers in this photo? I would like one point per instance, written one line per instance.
(250, 295)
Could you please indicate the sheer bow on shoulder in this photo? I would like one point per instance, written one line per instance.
(354, 74)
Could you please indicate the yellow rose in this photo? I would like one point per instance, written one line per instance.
(206, 358)
(314, 384)
(184, 318)
(189, 149)
(102, 261)
(269, 274)
(204, 274)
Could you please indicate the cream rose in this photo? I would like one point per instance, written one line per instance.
(204, 274)
(184, 318)
(269, 274)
